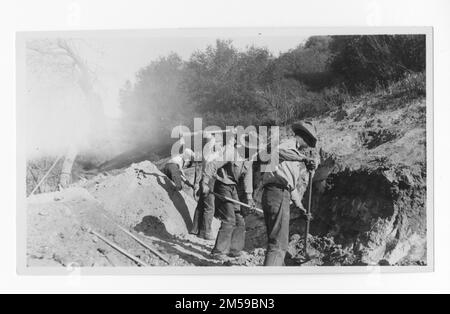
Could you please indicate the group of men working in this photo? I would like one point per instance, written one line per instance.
(227, 176)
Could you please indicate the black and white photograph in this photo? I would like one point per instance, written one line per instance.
(225, 150)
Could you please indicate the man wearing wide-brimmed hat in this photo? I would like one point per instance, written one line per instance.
(280, 188)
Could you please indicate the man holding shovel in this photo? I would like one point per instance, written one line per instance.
(280, 187)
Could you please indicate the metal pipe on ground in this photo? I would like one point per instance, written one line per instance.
(144, 244)
(138, 240)
(118, 248)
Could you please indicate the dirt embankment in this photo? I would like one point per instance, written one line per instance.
(370, 190)
(374, 199)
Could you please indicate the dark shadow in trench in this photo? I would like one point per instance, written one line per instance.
(175, 196)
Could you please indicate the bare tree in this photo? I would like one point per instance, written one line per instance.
(63, 57)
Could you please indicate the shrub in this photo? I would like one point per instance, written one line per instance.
(413, 84)
(366, 62)
(335, 97)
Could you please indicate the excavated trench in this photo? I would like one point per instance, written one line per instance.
(352, 204)
(378, 213)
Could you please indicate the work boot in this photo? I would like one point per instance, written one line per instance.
(219, 256)
(207, 236)
(235, 254)
(223, 239)
(275, 258)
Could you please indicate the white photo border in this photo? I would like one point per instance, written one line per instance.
(23, 270)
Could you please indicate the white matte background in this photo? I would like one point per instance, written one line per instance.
(46, 15)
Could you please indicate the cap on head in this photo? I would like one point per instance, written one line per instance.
(307, 131)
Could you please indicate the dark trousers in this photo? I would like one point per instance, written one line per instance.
(231, 237)
(173, 172)
(204, 213)
(276, 206)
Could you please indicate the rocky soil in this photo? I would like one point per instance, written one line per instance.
(369, 203)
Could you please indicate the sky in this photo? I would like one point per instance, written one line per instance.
(117, 58)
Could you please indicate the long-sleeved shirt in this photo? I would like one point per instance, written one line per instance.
(289, 174)
(230, 172)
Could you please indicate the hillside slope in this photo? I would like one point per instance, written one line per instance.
(374, 196)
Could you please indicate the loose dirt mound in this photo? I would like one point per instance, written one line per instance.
(140, 198)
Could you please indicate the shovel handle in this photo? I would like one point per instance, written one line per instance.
(308, 222)
(239, 203)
